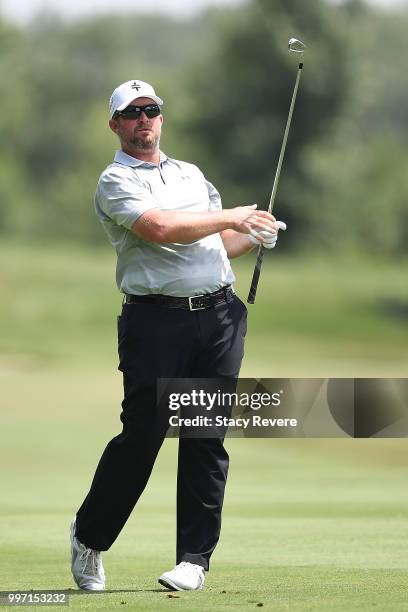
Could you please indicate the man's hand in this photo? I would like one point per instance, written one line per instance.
(243, 219)
(266, 238)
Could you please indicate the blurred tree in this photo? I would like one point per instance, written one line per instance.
(356, 196)
(56, 140)
(244, 94)
(227, 80)
(14, 92)
(356, 187)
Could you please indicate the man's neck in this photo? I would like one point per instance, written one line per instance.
(149, 156)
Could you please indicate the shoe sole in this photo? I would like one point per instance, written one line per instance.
(172, 586)
(169, 584)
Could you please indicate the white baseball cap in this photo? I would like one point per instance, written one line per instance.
(124, 94)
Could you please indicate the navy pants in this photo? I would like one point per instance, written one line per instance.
(160, 342)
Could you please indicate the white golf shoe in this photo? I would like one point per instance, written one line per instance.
(86, 565)
(184, 577)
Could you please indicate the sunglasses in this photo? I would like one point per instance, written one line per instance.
(134, 112)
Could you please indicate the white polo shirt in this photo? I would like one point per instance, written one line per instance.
(129, 187)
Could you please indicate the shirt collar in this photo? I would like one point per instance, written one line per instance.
(127, 160)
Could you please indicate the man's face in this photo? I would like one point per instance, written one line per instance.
(142, 133)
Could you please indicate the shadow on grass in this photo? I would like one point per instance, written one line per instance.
(79, 592)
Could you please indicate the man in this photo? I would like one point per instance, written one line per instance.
(180, 318)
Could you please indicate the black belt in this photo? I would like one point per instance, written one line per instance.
(197, 302)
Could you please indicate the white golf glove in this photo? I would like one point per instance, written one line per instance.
(269, 237)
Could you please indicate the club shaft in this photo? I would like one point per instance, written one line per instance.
(285, 140)
(255, 276)
(259, 259)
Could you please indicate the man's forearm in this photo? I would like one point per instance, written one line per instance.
(181, 227)
(235, 243)
(164, 226)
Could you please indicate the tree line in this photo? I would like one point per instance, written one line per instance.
(227, 79)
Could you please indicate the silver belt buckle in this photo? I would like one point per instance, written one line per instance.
(190, 304)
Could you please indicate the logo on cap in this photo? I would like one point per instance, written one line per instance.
(136, 86)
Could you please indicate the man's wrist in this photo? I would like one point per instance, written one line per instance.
(229, 219)
(252, 241)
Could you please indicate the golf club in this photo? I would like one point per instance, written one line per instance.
(294, 46)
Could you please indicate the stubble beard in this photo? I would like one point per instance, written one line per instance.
(146, 143)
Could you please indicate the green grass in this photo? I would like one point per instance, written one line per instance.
(308, 524)
(312, 317)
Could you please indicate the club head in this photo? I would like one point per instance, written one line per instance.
(296, 46)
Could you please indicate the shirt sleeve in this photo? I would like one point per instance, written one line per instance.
(214, 196)
(121, 198)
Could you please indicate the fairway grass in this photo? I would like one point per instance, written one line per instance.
(308, 524)
(312, 317)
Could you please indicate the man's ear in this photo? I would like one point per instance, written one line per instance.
(113, 124)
